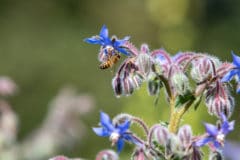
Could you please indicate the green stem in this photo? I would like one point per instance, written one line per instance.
(176, 116)
(167, 86)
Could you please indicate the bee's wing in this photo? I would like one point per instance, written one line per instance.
(102, 56)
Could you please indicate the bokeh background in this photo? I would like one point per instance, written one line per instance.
(42, 50)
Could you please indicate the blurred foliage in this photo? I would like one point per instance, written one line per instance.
(42, 49)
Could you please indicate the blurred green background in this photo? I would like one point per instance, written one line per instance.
(42, 49)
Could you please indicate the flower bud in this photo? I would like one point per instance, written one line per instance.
(215, 156)
(204, 68)
(180, 83)
(174, 145)
(144, 63)
(107, 155)
(218, 101)
(128, 86)
(137, 80)
(161, 135)
(185, 136)
(128, 78)
(144, 48)
(153, 88)
(117, 86)
(139, 155)
(154, 85)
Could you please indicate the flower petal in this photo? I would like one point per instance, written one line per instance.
(124, 126)
(211, 129)
(104, 32)
(128, 137)
(93, 40)
(101, 132)
(236, 59)
(227, 127)
(203, 141)
(124, 50)
(120, 42)
(106, 121)
(217, 144)
(224, 118)
(120, 145)
(227, 77)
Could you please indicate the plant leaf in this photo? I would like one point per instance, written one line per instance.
(182, 99)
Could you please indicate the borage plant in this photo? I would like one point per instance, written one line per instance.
(160, 70)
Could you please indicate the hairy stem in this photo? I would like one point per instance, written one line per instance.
(141, 123)
(176, 116)
(167, 86)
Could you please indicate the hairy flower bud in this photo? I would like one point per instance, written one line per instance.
(128, 86)
(128, 78)
(215, 156)
(144, 49)
(107, 155)
(154, 84)
(218, 101)
(185, 135)
(174, 145)
(139, 155)
(137, 80)
(117, 86)
(162, 135)
(204, 68)
(180, 83)
(144, 62)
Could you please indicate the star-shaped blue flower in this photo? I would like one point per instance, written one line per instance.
(113, 43)
(117, 133)
(216, 135)
(234, 72)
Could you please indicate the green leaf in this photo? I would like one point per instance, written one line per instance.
(182, 99)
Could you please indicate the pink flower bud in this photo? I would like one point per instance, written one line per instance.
(219, 100)
(107, 155)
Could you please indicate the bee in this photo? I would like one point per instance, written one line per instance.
(111, 60)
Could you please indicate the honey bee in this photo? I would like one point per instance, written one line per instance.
(111, 60)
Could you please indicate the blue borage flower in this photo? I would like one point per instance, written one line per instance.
(113, 43)
(234, 72)
(117, 133)
(216, 135)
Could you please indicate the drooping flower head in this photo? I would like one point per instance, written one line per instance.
(234, 72)
(109, 44)
(216, 135)
(118, 133)
(219, 100)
